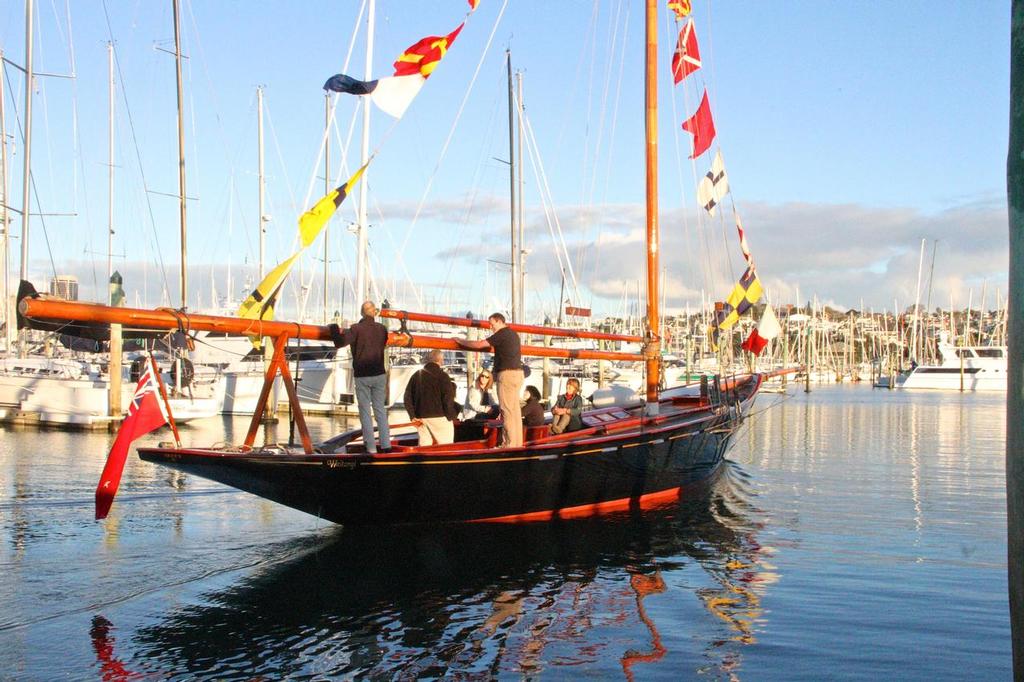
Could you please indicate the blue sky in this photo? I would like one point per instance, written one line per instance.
(851, 131)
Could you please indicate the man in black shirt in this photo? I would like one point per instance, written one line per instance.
(430, 402)
(368, 339)
(508, 374)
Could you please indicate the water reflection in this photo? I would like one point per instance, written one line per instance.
(484, 600)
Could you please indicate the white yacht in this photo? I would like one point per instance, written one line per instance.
(973, 368)
(73, 392)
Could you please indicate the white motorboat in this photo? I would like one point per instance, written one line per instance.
(74, 393)
(970, 368)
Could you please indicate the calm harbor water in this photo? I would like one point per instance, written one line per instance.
(855, 534)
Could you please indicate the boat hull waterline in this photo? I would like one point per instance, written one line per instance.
(603, 473)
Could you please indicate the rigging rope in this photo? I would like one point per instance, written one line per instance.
(471, 202)
(538, 169)
(35, 190)
(589, 193)
(615, 118)
(451, 132)
(673, 30)
(138, 157)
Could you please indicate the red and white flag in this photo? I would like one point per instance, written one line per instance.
(702, 127)
(743, 241)
(686, 58)
(767, 329)
(145, 414)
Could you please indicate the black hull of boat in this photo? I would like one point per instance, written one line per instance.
(605, 474)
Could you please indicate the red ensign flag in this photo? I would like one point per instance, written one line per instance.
(145, 414)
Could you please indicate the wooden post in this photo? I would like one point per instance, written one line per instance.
(785, 353)
(1015, 380)
(279, 363)
(546, 380)
(807, 350)
(961, 353)
(293, 399)
(114, 370)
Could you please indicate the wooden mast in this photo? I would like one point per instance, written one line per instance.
(652, 357)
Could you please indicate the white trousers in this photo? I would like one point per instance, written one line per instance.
(436, 431)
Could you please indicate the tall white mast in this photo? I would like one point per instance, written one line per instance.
(26, 175)
(181, 157)
(513, 213)
(110, 164)
(327, 190)
(5, 218)
(521, 221)
(116, 343)
(917, 307)
(362, 289)
(262, 183)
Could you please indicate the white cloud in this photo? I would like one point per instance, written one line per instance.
(842, 254)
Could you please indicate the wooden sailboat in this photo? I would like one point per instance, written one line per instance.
(624, 458)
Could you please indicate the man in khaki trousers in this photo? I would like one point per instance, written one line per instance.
(508, 375)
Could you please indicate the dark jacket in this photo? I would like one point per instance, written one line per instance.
(368, 339)
(575, 406)
(533, 413)
(431, 393)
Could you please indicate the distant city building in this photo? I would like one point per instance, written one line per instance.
(64, 286)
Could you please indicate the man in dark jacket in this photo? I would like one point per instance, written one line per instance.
(368, 339)
(430, 402)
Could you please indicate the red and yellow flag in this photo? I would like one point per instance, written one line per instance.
(423, 56)
(680, 7)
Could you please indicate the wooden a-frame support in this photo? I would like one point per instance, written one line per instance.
(279, 363)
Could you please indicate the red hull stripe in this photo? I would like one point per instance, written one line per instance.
(585, 510)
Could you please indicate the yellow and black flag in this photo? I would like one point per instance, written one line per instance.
(260, 303)
(312, 221)
(745, 294)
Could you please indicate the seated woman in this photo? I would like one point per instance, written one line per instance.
(533, 411)
(480, 400)
(568, 409)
